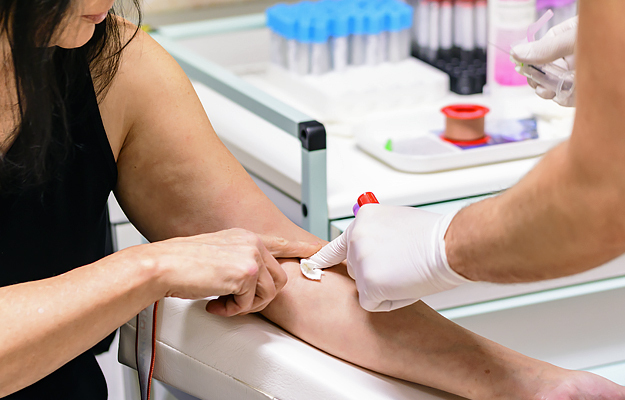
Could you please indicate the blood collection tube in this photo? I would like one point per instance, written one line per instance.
(398, 18)
(481, 28)
(320, 45)
(466, 10)
(339, 42)
(456, 28)
(357, 38)
(365, 198)
(414, 31)
(374, 38)
(446, 29)
(434, 31)
(302, 65)
(423, 28)
(404, 33)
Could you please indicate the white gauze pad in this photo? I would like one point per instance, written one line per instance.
(310, 269)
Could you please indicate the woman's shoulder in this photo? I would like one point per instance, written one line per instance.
(145, 71)
(142, 58)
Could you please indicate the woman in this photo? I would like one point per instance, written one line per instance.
(92, 104)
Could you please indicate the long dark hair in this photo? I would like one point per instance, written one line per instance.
(29, 26)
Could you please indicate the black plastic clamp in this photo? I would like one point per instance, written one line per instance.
(312, 134)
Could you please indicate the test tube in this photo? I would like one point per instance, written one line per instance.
(407, 18)
(414, 31)
(404, 44)
(290, 24)
(467, 27)
(291, 55)
(320, 45)
(457, 25)
(392, 27)
(373, 46)
(374, 37)
(434, 29)
(302, 64)
(423, 28)
(357, 38)
(481, 27)
(339, 45)
(446, 29)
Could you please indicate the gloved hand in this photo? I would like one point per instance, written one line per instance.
(558, 45)
(396, 255)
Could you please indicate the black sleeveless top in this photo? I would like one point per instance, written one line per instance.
(60, 225)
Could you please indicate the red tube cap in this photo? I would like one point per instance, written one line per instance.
(465, 111)
(367, 198)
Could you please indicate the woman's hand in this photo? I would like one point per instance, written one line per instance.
(237, 265)
(580, 385)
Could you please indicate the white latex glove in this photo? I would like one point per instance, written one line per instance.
(558, 45)
(396, 255)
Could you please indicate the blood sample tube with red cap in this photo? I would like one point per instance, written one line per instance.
(365, 198)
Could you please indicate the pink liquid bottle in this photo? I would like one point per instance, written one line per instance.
(509, 20)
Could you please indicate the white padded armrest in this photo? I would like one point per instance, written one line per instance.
(216, 358)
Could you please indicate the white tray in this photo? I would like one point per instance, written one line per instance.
(432, 154)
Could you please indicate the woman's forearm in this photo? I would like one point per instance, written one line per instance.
(414, 343)
(87, 303)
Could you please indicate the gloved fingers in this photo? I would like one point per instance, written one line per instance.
(350, 270)
(372, 305)
(545, 93)
(569, 62)
(332, 253)
(557, 43)
(384, 306)
(533, 84)
(562, 63)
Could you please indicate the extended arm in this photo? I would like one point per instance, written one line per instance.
(414, 343)
(564, 216)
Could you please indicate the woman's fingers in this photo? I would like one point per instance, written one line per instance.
(283, 248)
(236, 264)
(257, 289)
(239, 302)
(274, 270)
(266, 291)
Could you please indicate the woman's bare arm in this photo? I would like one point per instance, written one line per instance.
(414, 343)
(88, 302)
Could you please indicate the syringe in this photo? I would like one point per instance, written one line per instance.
(551, 77)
